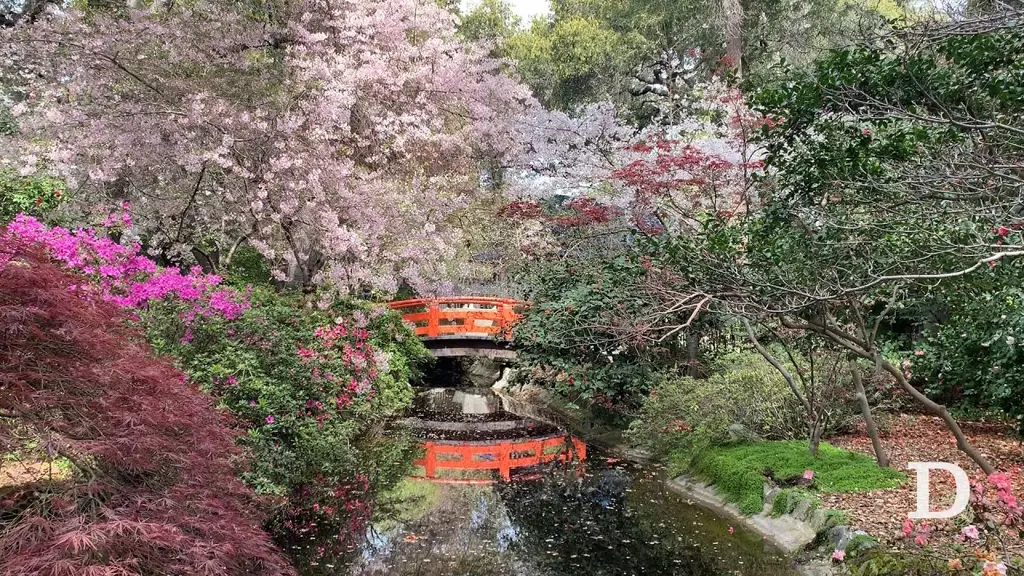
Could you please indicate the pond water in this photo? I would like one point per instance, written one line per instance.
(576, 512)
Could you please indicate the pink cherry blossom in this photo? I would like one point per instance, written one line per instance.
(337, 138)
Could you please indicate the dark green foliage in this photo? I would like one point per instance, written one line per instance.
(974, 359)
(904, 158)
(572, 331)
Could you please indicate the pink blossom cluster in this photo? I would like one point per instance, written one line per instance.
(350, 345)
(1002, 507)
(124, 276)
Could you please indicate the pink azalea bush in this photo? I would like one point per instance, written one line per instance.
(123, 275)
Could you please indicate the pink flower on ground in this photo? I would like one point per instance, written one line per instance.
(731, 530)
(994, 569)
(999, 480)
(970, 532)
(839, 555)
(808, 474)
(270, 419)
(908, 527)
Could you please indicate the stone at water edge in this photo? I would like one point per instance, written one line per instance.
(506, 378)
(483, 372)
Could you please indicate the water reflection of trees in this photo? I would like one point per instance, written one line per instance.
(611, 521)
(460, 530)
(590, 526)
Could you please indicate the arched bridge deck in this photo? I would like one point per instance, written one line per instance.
(463, 326)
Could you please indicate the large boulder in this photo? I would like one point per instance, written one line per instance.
(483, 372)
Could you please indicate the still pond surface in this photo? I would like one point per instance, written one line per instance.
(576, 511)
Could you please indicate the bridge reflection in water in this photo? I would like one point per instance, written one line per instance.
(471, 438)
(616, 518)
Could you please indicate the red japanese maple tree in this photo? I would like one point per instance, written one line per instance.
(153, 489)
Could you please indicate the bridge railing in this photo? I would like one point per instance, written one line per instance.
(503, 456)
(465, 317)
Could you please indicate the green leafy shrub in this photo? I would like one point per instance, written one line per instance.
(315, 389)
(688, 414)
(35, 196)
(975, 359)
(567, 337)
(738, 471)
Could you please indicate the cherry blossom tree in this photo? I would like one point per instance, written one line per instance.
(337, 138)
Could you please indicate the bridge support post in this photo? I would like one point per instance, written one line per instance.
(433, 321)
(428, 460)
(505, 460)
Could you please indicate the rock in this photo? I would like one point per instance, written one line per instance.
(842, 536)
(819, 519)
(506, 377)
(483, 372)
(740, 433)
(838, 534)
(803, 508)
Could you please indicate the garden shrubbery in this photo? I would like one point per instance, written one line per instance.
(153, 486)
(312, 387)
(743, 391)
(315, 388)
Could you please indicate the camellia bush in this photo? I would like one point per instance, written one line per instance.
(572, 334)
(315, 389)
(36, 196)
(974, 358)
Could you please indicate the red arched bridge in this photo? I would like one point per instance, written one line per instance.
(475, 462)
(463, 326)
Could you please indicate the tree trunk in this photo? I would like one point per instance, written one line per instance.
(939, 410)
(868, 353)
(733, 25)
(815, 439)
(818, 423)
(869, 421)
(692, 353)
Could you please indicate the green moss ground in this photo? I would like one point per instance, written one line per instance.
(737, 470)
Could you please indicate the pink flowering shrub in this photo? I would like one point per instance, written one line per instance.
(123, 275)
(994, 512)
(313, 387)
